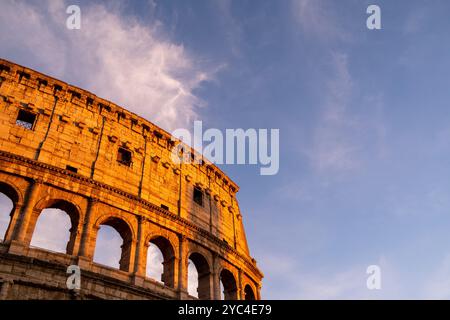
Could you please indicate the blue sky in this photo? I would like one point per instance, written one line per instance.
(363, 119)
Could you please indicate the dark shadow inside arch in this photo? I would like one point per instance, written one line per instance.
(229, 285)
(125, 233)
(248, 293)
(204, 273)
(49, 227)
(168, 274)
(8, 201)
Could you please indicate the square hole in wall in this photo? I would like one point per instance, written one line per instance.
(26, 119)
(73, 169)
(198, 196)
(124, 157)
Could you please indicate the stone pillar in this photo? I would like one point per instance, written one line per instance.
(234, 230)
(15, 215)
(85, 247)
(258, 292)
(4, 288)
(75, 237)
(205, 286)
(168, 276)
(216, 277)
(182, 268)
(240, 290)
(126, 262)
(27, 210)
(139, 269)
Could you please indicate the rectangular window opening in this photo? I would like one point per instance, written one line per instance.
(26, 119)
(198, 196)
(73, 169)
(165, 207)
(124, 157)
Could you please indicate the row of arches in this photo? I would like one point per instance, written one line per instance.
(55, 227)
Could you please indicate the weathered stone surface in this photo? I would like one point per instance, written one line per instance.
(63, 147)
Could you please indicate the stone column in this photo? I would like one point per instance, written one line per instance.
(168, 276)
(27, 210)
(4, 288)
(126, 262)
(216, 277)
(258, 292)
(138, 261)
(182, 268)
(15, 215)
(205, 287)
(234, 230)
(87, 229)
(240, 290)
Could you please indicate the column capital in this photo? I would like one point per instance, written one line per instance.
(37, 181)
(94, 199)
(182, 238)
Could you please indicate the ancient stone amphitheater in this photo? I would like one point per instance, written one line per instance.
(65, 148)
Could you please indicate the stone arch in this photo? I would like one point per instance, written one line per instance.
(125, 230)
(204, 274)
(169, 257)
(229, 283)
(155, 232)
(15, 196)
(11, 191)
(249, 293)
(72, 210)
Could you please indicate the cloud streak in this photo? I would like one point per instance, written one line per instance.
(113, 55)
(338, 143)
(334, 145)
(315, 20)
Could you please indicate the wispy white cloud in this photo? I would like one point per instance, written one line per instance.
(232, 28)
(335, 145)
(114, 56)
(338, 137)
(315, 19)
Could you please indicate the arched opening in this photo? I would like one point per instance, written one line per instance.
(199, 265)
(113, 244)
(161, 261)
(192, 279)
(155, 260)
(108, 247)
(248, 293)
(55, 227)
(8, 201)
(229, 285)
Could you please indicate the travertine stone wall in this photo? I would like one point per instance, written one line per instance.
(147, 200)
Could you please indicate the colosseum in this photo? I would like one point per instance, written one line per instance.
(64, 148)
